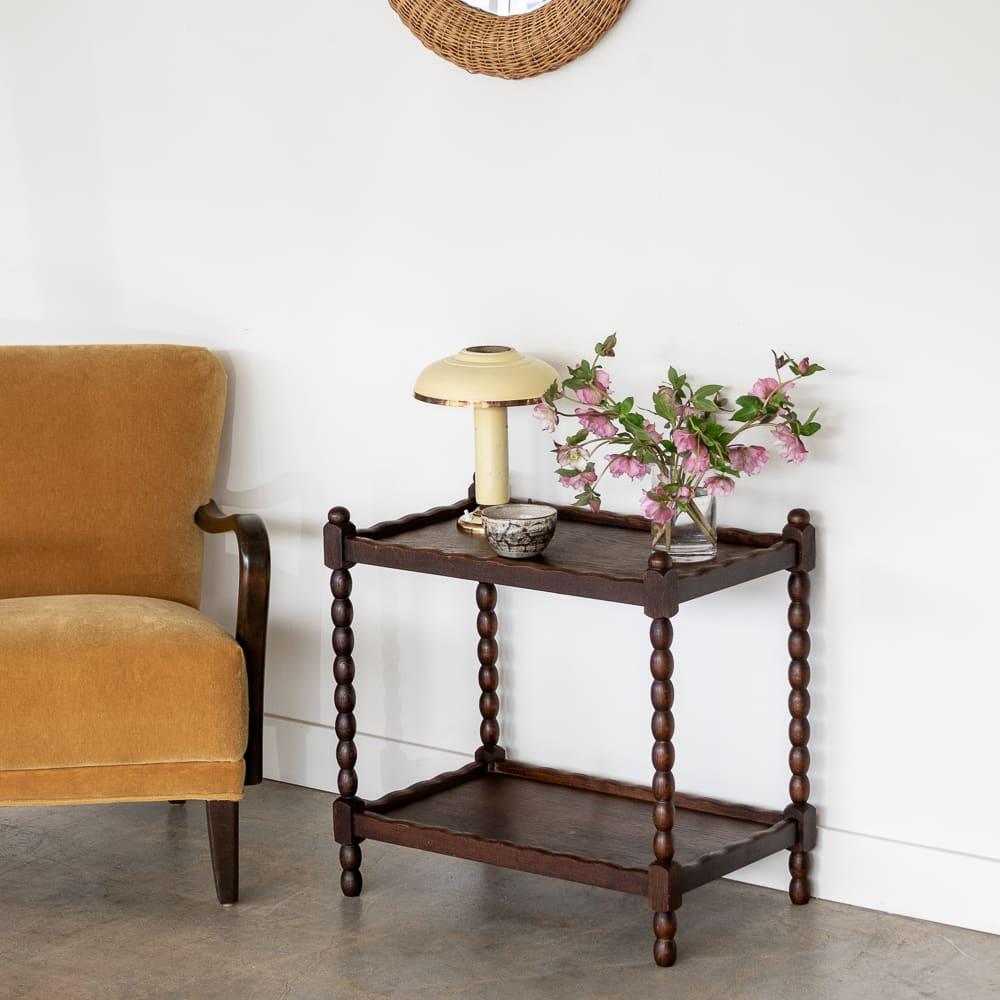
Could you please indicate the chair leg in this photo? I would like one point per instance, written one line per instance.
(224, 843)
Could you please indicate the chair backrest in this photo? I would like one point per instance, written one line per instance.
(106, 452)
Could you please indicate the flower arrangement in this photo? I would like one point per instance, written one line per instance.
(682, 441)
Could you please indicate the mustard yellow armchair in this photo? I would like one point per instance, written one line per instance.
(113, 686)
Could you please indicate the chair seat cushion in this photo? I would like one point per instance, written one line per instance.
(97, 680)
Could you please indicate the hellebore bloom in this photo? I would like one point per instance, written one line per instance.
(571, 456)
(764, 387)
(789, 444)
(656, 507)
(718, 486)
(545, 413)
(594, 393)
(685, 440)
(804, 365)
(596, 422)
(653, 432)
(697, 461)
(578, 482)
(749, 459)
(627, 465)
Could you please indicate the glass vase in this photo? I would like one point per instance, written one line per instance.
(689, 538)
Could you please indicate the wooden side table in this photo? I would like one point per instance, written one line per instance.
(556, 823)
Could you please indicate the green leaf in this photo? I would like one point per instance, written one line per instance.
(625, 406)
(707, 390)
(809, 428)
(664, 410)
(676, 380)
(578, 438)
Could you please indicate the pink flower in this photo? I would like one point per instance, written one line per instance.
(683, 494)
(594, 393)
(749, 459)
(571, 456)
(719, 486)
(789, 444)
(685, 440)
(545, 414)
(656, 507)
(804, 365)
(596, 422)
(627, 465)
(764, 387)
(653, 432)
(579, 481)
(697, 461)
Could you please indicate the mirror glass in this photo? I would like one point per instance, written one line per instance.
(507, 6)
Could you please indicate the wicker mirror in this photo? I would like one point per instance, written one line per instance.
(512, 39)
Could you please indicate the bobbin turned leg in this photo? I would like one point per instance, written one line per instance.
(798, 705)
(661, 665)
(489, 701)
(342, 612)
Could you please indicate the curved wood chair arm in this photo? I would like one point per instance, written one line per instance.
(251, 614)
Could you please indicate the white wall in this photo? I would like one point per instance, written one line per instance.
(308, 191)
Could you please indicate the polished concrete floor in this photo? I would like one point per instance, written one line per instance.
(117, 902)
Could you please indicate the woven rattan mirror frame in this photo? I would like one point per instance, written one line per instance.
(513, 47)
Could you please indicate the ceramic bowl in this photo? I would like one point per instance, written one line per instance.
(519, 530)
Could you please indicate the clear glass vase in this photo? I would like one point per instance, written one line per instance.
(689, 538)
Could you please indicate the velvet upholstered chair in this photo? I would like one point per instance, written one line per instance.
(113, 686)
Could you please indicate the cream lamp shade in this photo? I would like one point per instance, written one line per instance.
(489, 379)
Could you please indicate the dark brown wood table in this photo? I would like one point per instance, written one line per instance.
(556, 823)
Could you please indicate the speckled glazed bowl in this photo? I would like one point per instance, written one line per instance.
(519, 530)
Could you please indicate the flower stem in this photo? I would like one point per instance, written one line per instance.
(699, 519)
(660, 535)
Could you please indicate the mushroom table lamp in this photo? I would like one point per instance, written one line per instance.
(489, 379)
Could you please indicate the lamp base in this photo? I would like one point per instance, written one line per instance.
(472, 522)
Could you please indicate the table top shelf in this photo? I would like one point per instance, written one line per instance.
(596, 555)
(572, 826)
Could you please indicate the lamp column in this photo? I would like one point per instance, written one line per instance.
(492, 478)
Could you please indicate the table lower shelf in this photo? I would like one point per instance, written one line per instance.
(570, 826)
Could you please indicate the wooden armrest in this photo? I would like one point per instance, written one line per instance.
(251, 614)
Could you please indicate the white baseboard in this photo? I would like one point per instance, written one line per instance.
(915, 881)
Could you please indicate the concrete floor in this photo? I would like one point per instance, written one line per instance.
(117, 902)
